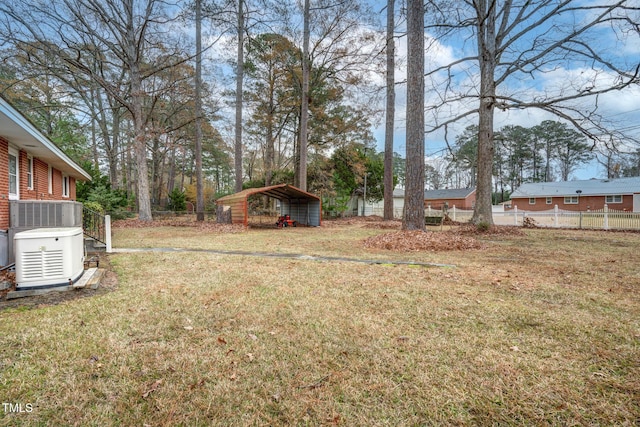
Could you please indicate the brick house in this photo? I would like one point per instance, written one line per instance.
(32, 167)
(621, 194)
(461, 198)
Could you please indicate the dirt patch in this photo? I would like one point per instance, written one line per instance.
(108, 283)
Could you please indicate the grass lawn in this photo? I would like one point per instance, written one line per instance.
(541, 329)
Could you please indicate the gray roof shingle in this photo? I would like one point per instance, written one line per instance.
(590, 187)
(453, 193)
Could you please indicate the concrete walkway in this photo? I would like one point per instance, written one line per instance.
(283, 256)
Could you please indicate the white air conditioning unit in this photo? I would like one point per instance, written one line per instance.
(48, 257)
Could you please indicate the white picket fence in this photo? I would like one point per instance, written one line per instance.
(603, 219)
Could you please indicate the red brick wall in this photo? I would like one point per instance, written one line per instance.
(4, 184)
(40, 189)
(584, 204)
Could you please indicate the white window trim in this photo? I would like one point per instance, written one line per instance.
(612, 201)
(572, 200)
(50, 175)
(15, 196)
(65, 185)
(532, 200)
(549, 201)
(30, 172)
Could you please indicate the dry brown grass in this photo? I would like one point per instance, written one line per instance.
(539, 329)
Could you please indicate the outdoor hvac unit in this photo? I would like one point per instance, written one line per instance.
(48, 257)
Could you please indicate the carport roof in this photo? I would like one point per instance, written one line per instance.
(280, 192)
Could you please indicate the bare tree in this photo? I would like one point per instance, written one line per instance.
(239, 106)
(304, 108)
(198, 115)
(522, 41)
(390, 113)
(414, 191)
(126, 34)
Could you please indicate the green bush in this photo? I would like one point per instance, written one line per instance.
(121, 214)
(94, 206)
(177, 200)
(99, 191)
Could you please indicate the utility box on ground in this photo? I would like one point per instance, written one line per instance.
(48, 257)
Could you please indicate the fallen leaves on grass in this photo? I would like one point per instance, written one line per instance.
(494, 230)
(422, 241)
(384, 225)
(204, 226)
(151, 389)
(372, 221)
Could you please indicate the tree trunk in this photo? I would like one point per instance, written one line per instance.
(304, 109)
(140, 140)
(414, 192)
(239, 79)
(156, 159)
(112, 147)
(390, 113)
(487, 55)
(269, 152)
(171, 179)
(198, 114)
(94, 131)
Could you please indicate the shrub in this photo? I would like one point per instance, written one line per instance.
(94, 206)
(177, 200)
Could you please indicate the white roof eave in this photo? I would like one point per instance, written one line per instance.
(22, 134)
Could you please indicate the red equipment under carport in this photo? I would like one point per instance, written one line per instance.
(305, 207)
(285, 221)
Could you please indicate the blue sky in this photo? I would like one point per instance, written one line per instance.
(621, 108)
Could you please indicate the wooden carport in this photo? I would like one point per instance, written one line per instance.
(304, 207)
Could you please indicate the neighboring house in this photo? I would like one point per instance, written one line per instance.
(461, 198)
(618, 194)
(31, 168)
(360, 208)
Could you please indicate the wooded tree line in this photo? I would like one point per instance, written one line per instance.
(115, 82)
(121, 73)
(549, 151)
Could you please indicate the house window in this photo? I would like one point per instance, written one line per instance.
(614, 199)
(532, 200)
(549, 200)
(65, 186)
(571, 200)
(30, 173)
(50, 174)
(13, 175)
